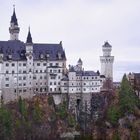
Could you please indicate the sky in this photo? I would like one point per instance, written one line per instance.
(83, 26)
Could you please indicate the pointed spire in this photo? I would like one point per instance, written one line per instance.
(13, 17)
(29, 38)
(106, 44)
(80, 61)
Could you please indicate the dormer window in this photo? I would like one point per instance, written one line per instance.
(41, 56)
(59, 56)
(47, 55)
(10, 56)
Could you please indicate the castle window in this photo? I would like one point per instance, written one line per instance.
(38, 64)
(15, 90)
(50, 71)
(40, 71)
(7, 78)
(54, 83)
(24, 84)
(6, 85)
(56, 64)
(50, 83)
(20, 78)
(84, 83)
(24, 71)
(24, 64)
(59, 71)
(13, 64)
(19, 71)
(51, 64)
(40, 77)
(44, 71)
(95, 77)
(92, 77)
(20, 90)
(84, 89)
(24, 78)
(7, 72)
(24, 90)
(36, 71)
(54, 89)
(50, 89)
(34, 77)
(13, 72)
(20, 84)
(44, 64)
(7, 64)
(45, 77)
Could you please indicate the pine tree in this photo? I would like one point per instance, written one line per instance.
(127, 98)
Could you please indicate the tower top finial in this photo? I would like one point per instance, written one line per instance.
(29, 38)
(14, 7)
(14, 18)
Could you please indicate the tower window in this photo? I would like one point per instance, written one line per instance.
(24, 64)
(13, 64)
(7, 64)
(7, 72)
(7, 78)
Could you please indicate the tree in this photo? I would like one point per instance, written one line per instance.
(115, 136)
(5, 124)
(127, 98)
(22, 108)
(37, 113)
(113, 114)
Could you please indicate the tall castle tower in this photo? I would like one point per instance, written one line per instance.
(14, 29)
(107, 61)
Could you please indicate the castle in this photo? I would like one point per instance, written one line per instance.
(28, 69)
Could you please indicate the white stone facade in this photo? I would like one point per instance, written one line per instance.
(80, 81)
(107, 61)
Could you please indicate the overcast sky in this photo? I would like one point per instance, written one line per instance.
(82, 26)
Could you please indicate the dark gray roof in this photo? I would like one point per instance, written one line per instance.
(16, 48)
(86, 73)
(71, 69)
(106, 44)
(65, 78)
(14, 18)
(102, 76)
(29, 38)
(80, 61)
